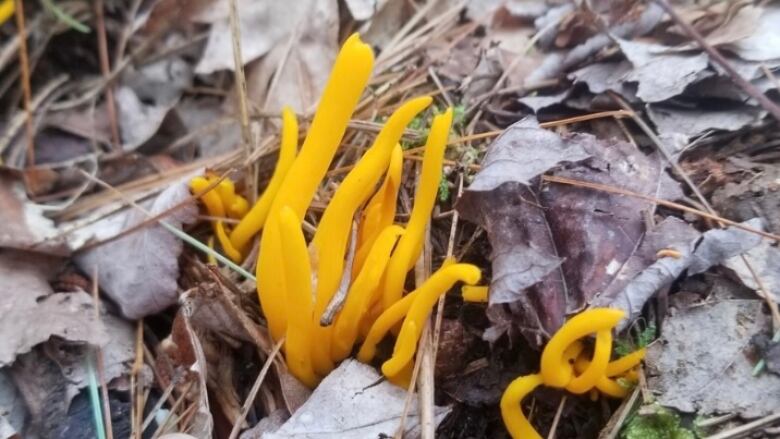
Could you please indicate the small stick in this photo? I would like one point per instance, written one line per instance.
(105, 70)
(250, 399)
(238, 70)
(24, 66)
(747, 428)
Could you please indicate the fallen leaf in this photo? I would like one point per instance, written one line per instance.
(27, 297)
(696, 256)
(353, 401)
(522, 152)
(634, 24)
(146, 96)
(661, 75)
(300, 81)
(537, 103)
(764, 43)
(701, 364)
(24, 225)
(605, 76)
(361, 9)
(263, 25)
(764, 260)
(139, 271)
(670, 119)
(12, 408)
(758, 195)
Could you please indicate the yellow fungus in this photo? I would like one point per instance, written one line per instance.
(587, 322)
(330, 240)
(410, 245)
(379, 212)
(597, 368)
(347, 80)
(475, 293)
(625, 363)
(360, 293)
(254, 220)
(382, 325)
(426, 296)
(211, 199)
(297, 343)
(7, 9)
(512, 412)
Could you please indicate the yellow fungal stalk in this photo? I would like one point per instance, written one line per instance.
(514, 419)
(297, 343)
(7, 9)
(422, 306)
(361, 292)
(475, 293)
(382, 325)
(410, 245)
(579, 326)
(379, 212)
(563, 365)
(330, 240)
(254, 220)
(347, 80)
(214, 205)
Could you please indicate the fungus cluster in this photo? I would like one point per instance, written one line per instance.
(565, 365)
(296, 282)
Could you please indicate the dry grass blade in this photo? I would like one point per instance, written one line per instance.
(250, 399)
(24, 66)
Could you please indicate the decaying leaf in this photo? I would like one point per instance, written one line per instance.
(353, 401)
(27, 297)
(697, 254)
(702, 362)
(139, 271)
(589, 234)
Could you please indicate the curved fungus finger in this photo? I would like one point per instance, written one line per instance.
(410, 245)
(297, 273)
(253, 220)
(346, 83)
(405, 346)
(427, 295)
(587, 322)
(611, 388)
(332, 235)
(512, 412)
(360, 293)
(404, 378)
(382, 325)
(625, 363)
(597, 367)
(238, 208)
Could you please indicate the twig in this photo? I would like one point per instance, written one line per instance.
(238, 70)
(672, 205)
(105, 70)
(250, 399)
(24, 66)
(426, 349)
(716, 57)
(747, 428)
(136, 397)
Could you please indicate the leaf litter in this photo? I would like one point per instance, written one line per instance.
(530, 81)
